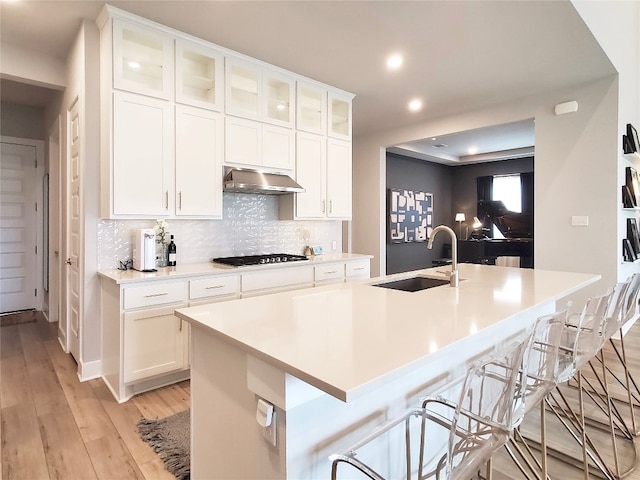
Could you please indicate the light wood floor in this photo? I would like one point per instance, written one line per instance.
(54, 427)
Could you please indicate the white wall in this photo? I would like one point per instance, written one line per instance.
(22, 121)
(616, 26)
(32, 67)
(83, 83)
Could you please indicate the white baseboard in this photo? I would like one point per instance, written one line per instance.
(89, 370)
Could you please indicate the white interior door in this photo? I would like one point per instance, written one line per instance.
(18, 226)
(74, 231)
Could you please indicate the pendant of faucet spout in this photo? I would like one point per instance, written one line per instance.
(454, 251)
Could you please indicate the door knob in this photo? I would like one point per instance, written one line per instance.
(68, 261)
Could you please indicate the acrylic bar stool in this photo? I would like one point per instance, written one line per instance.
(597, 389)
(454, 438)
(581, 341)
(537, 381)
(624, 379)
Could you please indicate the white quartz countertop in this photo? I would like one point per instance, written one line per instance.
(210, 268)
(347, 339)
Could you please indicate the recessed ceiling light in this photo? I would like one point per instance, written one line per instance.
(415, 105)
(473, 150)
(394, 62)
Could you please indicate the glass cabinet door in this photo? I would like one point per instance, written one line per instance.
(199, 76)
(278, 99)
(142, 60)
(311, 108)
(339, 116)
(243, 88)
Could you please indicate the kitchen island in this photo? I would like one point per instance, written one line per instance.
(339, 360)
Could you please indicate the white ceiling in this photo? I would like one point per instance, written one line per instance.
(459, 55)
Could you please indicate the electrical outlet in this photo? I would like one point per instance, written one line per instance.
(269, 432)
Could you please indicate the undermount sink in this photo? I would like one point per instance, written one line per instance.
(413, 284)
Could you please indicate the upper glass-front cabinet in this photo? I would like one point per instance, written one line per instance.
(339, 116)
(142, 60)
(199, 76)
(243, 89)
(311, 108)
(279, 104)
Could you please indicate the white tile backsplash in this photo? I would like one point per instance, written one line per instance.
(250, 226)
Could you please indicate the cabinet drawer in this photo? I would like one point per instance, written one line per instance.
(329, 272)
(277, 278)
(213, 287)
(358, 269)
(151, 295)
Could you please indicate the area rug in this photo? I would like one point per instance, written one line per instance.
(170, 438)
(17, 318)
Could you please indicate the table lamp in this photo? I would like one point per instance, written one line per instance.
(460, 218)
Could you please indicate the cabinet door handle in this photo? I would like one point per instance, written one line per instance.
(180, 329)
(331, 272)
(180, 200)
(330, 206)
(156, 295)
(213, 286)
(166, 200)
(323, 205)
(358, 268)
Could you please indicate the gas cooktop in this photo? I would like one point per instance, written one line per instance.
(270, 258)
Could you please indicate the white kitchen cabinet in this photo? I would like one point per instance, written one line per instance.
(272, 280)
(339, 113)
(214, 289)
(311, 170)
(338, 179)
(311, 108)
(328, 274)
(278, 97)
(155, 342)
(338, 272)
(142, 59)
(141, 176)
(243, 87)
(259, 145)
(144, 345)
(198, 162)
(358, 269)
(323, 169)
(199, 75)
(259, 93)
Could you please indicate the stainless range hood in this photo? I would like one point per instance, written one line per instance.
(244, 180)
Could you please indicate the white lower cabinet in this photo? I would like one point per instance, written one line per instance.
(341, 272)
(276, 280)
(358, 269)
(214, 289)
(328, 274)
(155, 342)
(145, 346)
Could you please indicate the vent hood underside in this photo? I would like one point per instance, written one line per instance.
(243, 180)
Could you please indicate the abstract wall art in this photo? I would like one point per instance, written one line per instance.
(410, 215)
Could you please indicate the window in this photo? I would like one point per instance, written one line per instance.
(507, 188)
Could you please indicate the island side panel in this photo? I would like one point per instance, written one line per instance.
(226, 440)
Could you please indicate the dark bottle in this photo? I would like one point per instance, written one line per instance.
(171, 253)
